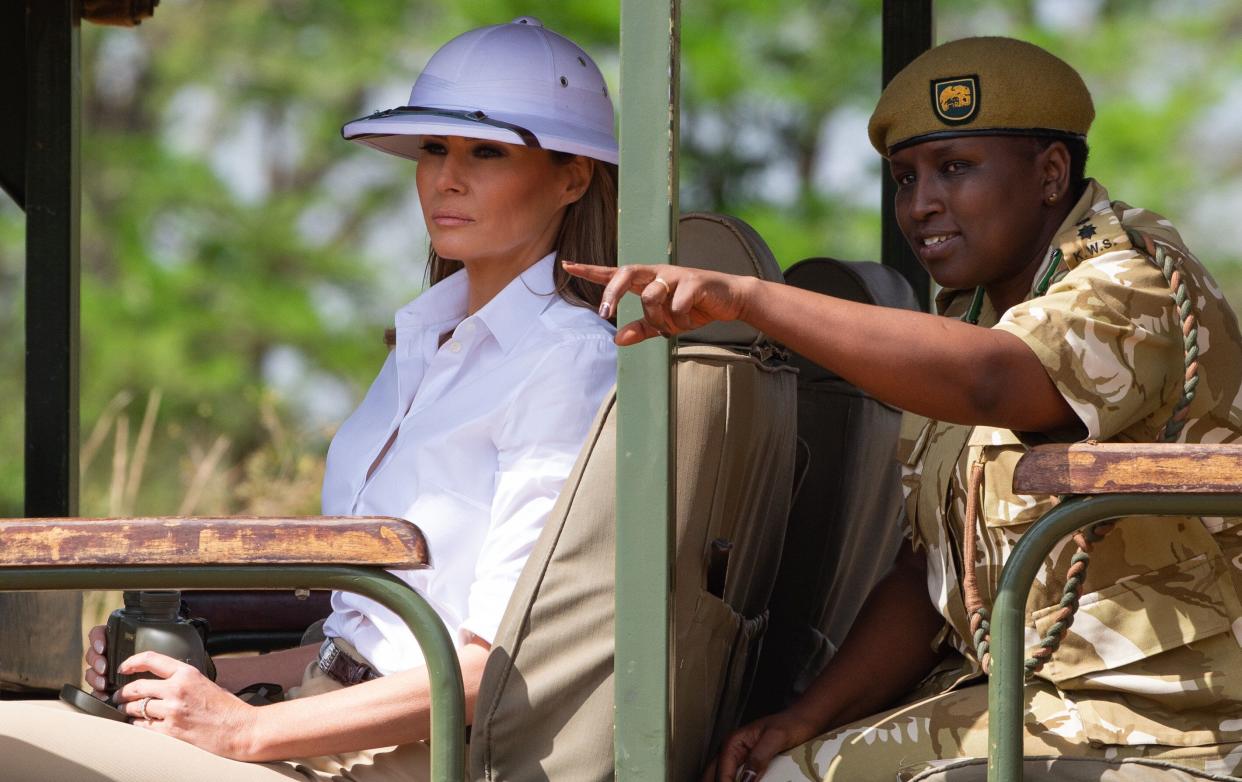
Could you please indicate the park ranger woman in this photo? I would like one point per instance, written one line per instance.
(1058, 320)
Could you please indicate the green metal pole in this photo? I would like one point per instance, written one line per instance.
(645, 390)
(1006, 701)
(907, 33)
(448, 701)
(52, 223)
(47, 649)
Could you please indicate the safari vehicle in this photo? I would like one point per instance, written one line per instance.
(713, 554)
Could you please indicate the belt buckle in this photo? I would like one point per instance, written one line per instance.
(328, 652)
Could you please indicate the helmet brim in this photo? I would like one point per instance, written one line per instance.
(400, 134)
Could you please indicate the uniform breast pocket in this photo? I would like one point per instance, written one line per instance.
(1140, 617)
(999, 451)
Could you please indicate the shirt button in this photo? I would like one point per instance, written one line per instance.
(454, 347)
(468, 327)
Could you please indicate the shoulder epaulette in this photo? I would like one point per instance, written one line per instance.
(1094, 235)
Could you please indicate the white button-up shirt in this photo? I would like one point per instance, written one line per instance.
(487, 427)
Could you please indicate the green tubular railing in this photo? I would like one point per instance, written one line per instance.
(1006, 699)
(448, 700)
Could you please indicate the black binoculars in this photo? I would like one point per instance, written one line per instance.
(150, 621)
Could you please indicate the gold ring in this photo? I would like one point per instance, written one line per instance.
(668, 290)
(142, 710)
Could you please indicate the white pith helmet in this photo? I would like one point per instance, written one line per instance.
(518, 83)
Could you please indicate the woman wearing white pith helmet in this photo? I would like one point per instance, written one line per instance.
(470, 429)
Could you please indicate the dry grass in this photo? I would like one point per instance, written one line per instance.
(281, 477)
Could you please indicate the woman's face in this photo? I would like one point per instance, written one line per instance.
(491, 202)
(973, 208)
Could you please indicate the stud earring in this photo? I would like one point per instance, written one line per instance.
(1052, 198)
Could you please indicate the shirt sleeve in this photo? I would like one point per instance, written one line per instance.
(1105, 334)
(544, 430)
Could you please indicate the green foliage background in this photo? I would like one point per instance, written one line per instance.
(240, 261)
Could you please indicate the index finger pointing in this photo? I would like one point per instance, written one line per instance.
(590, 272)
(632, 278)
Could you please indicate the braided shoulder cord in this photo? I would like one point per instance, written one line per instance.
(980, 626)
(1190, 342)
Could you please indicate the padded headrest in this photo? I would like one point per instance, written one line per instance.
(862, 281)
(724, 244)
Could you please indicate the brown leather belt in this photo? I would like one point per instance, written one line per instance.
(336, 663)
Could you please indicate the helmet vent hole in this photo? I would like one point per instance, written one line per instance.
(581, 62)
(564, 82)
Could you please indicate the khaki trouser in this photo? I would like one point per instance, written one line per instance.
(49, 741)
(899, 743)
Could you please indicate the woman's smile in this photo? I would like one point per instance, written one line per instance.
(935, 246)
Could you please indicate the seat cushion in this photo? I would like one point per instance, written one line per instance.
(1063, 770)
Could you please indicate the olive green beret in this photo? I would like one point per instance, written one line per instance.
(984, 86)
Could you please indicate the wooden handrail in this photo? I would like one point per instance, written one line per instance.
(236, 540)
(1134, 468)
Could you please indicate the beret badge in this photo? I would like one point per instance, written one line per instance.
(955, 100)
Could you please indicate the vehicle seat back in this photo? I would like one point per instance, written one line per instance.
(844, 527)
(545, 708)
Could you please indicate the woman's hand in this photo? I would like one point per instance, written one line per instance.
(675, 298)
(96, 662)
(185, 704)
(747, 752)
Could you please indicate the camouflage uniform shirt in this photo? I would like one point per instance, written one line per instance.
(1152, 654)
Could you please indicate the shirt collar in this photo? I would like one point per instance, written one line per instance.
(508, 316)
(1069, 239)
(443, 304)
(513, 312)
(1092, 227)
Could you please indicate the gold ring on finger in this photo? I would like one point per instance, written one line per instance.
(668, 290)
